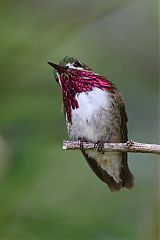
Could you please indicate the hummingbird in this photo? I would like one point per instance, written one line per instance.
(95, 112)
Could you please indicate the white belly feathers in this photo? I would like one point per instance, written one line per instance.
(94, 119)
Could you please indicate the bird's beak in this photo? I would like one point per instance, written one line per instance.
(58, 68)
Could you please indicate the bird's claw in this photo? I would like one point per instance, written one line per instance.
(100, 146)
(130, 143)
(81, 140)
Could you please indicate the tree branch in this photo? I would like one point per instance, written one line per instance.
(130, 146)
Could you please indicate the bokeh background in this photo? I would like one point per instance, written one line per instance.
(49, 193)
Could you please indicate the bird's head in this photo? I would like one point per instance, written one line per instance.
(64, 67)
(76, 77)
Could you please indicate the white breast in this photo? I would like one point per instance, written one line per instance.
(98, 119)
(90, 102)
(93, 119)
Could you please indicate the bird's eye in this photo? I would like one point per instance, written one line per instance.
(66, 67)
(77, 64)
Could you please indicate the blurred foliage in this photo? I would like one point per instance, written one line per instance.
(45, 192)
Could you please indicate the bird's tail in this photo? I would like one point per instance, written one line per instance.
(126, 175)
(127, 179)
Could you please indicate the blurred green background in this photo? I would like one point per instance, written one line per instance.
(46, 192)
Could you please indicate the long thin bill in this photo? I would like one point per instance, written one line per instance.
(58, 68)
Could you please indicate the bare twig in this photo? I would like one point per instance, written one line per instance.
(130, 146)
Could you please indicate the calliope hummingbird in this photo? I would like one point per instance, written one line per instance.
(95, 112)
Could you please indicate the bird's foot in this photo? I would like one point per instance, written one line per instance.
(81, 141)
(130, 143)
(100, 146)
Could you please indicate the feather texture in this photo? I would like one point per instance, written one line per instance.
(95, 111)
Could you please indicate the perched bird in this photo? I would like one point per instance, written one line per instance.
(95, 112)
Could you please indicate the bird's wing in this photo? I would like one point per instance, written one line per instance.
(126, 175)
(124, 120)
